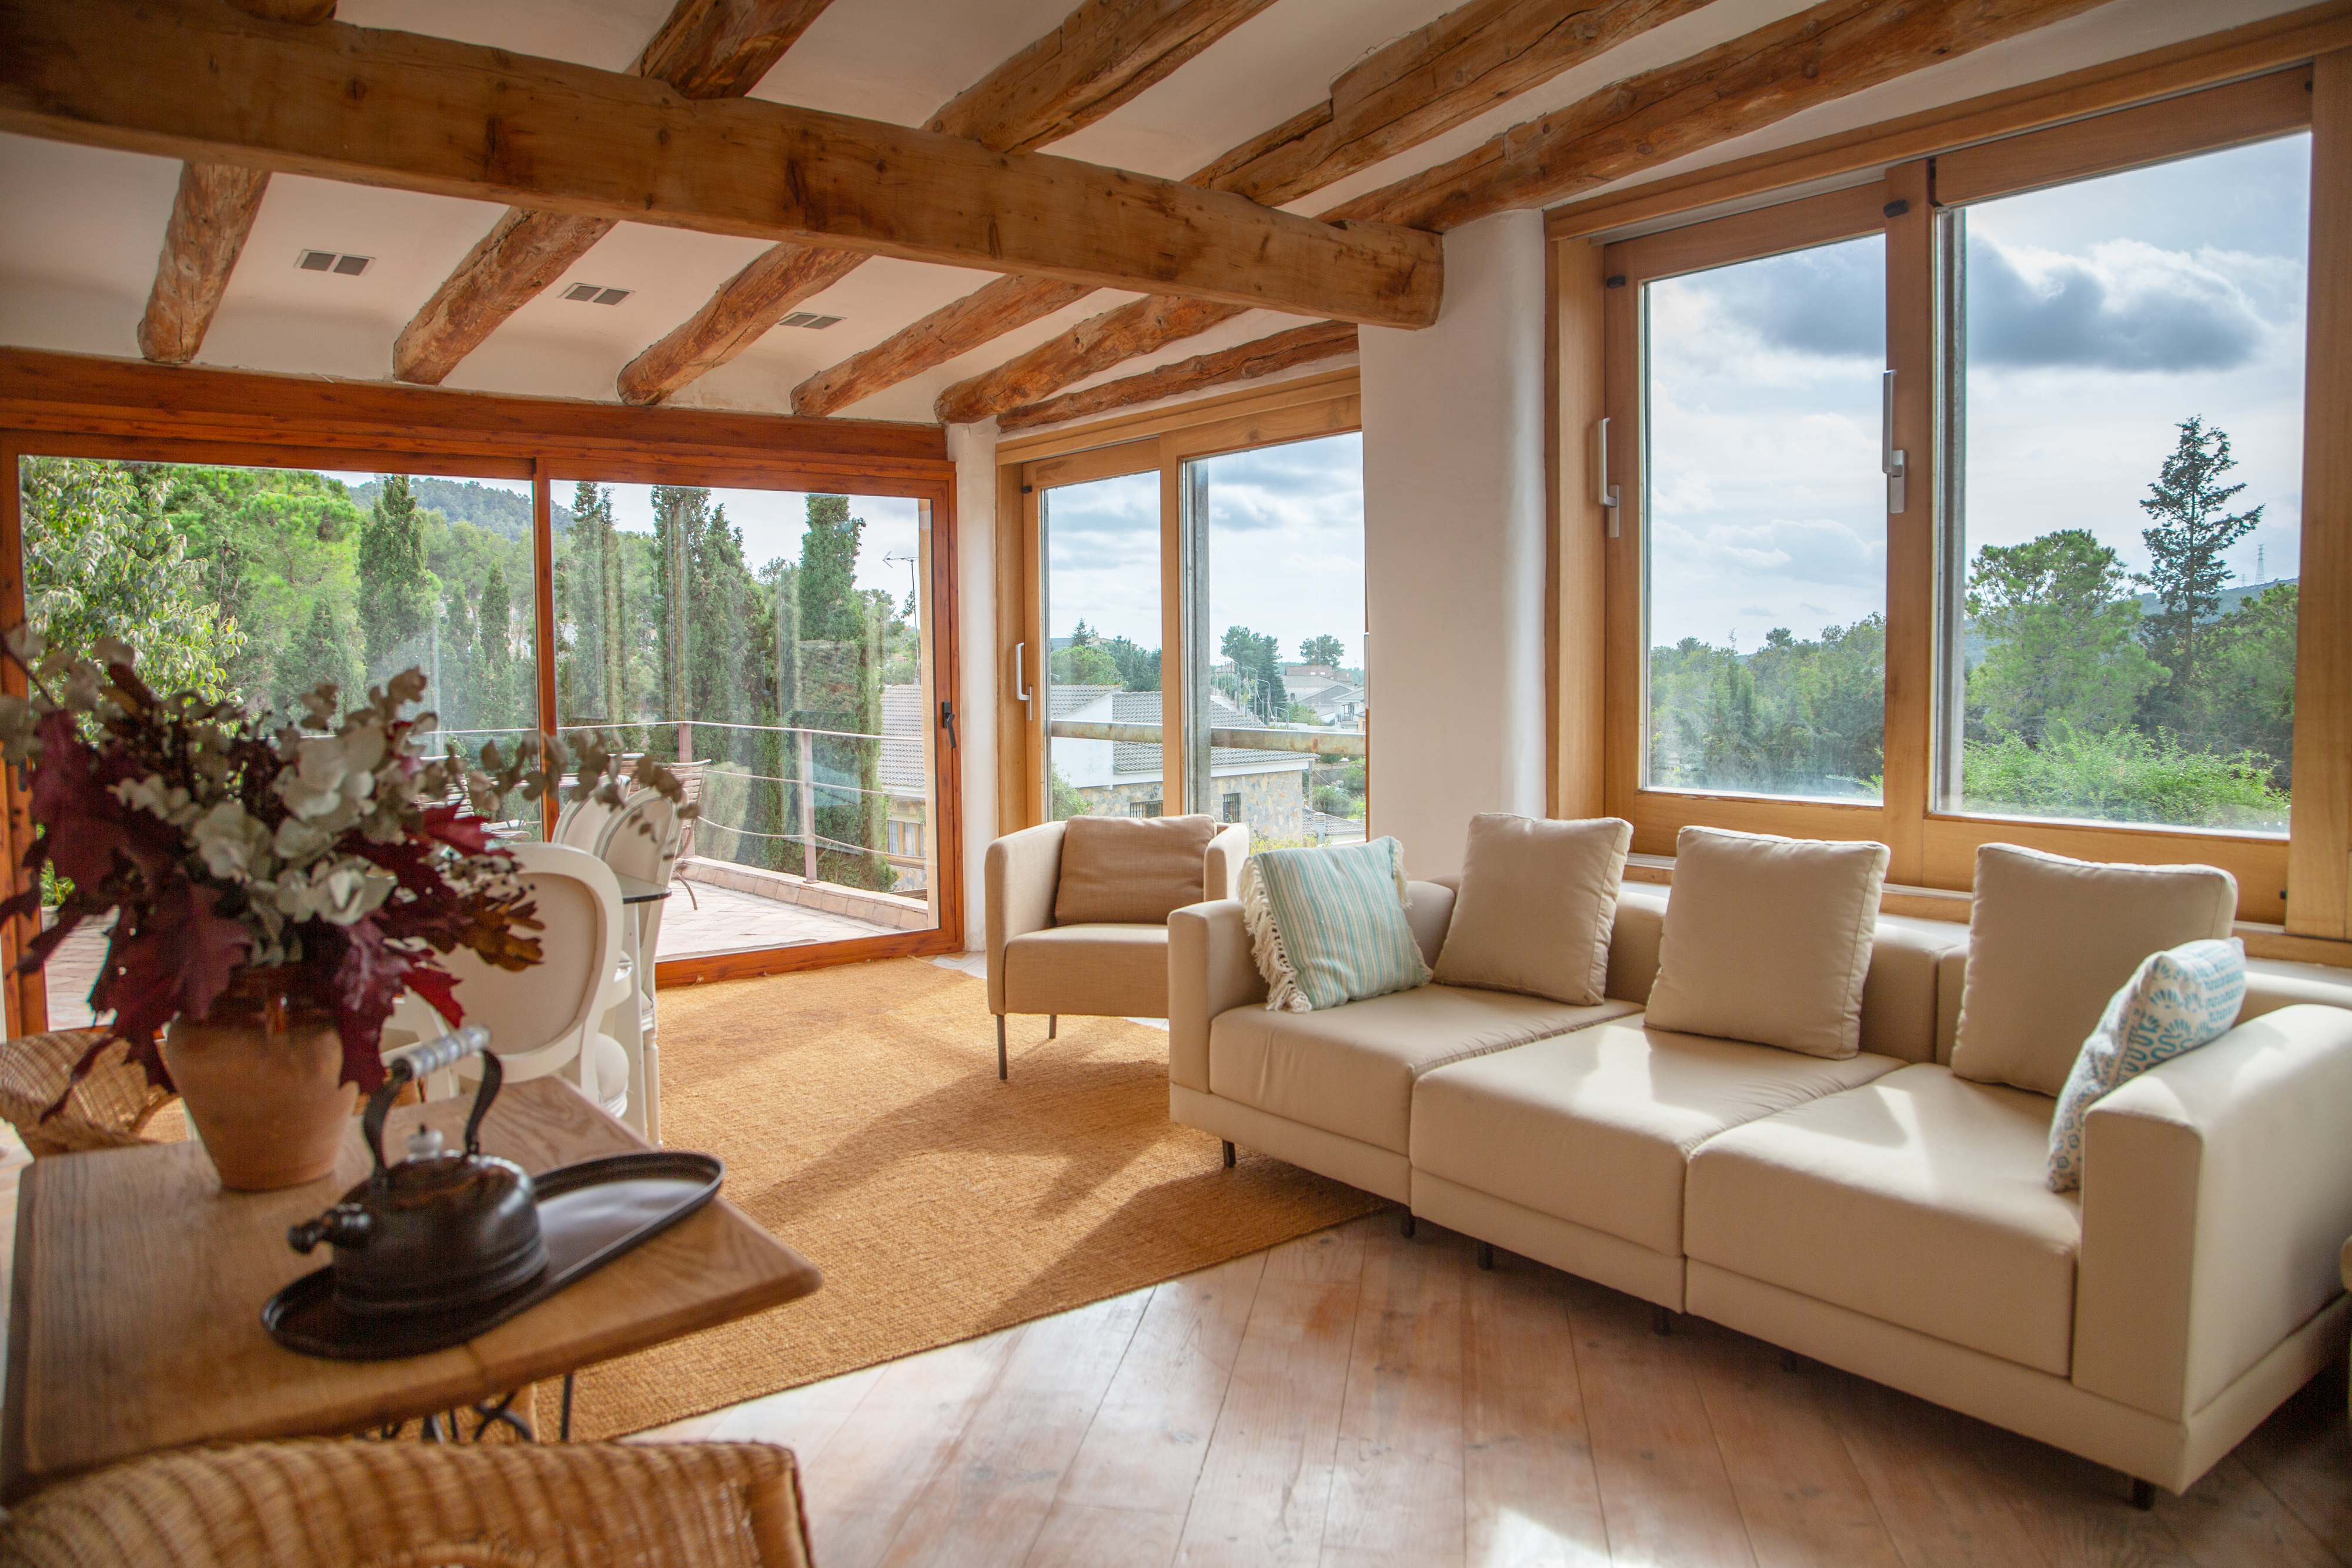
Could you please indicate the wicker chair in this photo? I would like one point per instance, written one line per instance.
(107, 1110)
(328, 1504)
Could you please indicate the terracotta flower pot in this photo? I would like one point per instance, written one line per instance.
(259, 1078)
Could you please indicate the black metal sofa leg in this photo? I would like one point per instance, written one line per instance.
(1229, 1153)
(1000, 1075)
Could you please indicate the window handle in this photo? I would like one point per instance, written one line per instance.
(1604, 494)
(1891, 457)
(948, 723)
(1020, 677)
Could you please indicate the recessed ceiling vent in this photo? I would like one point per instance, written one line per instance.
(810, 320)
(328, 261)
(596, 294)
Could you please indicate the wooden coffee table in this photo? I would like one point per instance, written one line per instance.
(135, 1322)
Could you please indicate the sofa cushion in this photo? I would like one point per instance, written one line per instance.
(2052, 939)
(1328, 925)
(1350, 1070)
(1595, 1127)
(1767, 939)
(1538, 900)
(1918, 1199)
(1108, 971)
(2177, 1001)
(1131, 870)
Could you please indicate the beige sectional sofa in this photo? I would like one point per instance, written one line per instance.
(1876, 1212)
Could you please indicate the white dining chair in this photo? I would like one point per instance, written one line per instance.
(641, 841)
(581, 823)
(548, 1018)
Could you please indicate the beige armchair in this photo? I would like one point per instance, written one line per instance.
(1110, 969)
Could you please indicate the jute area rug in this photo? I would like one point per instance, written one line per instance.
(861, 1120)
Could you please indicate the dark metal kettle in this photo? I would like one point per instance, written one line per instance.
(440, 1229)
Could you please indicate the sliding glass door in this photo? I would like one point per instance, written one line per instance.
(774, 648)
(1191, 637)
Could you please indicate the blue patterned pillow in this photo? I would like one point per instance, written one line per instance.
(1328, 925)
(2176, 1001)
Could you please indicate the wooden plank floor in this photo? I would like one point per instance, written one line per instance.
(1356, 1398)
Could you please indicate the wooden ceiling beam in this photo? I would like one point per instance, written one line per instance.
(1816, 57)
(1757, 80)
(1101, 56)
(192, 79)
(706, 49)
(1432, 80)
(211, 214)
(1129, 331)
(1279, 351)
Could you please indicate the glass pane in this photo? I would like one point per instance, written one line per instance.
(2120, 640)
(777, 643)
(1101, 545)
(1282, 635)
(1765, 518)
(257, 583)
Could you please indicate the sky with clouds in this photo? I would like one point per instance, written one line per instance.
(2100, 315)
(1285, 548)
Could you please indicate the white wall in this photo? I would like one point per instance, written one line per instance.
(1455, 548)
(972, 449)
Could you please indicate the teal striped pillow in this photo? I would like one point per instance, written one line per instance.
(1328, 925)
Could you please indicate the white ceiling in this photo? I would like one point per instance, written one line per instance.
(77, 279)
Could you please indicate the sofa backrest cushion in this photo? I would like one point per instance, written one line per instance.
(2052, 939)
(1537, 903)
(1768, 939)
(1429, 910)
(1131, 870)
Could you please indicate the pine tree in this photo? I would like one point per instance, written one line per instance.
(393, 598)
(2188, 545)
(321, 653)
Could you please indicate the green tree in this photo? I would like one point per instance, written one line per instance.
(2064, 638)
(2193, 530)
(1085, 665)
(392, 598)
(840, 680)
(495, 707)
(1257, 671)
(2249, 681)
(1324, 650)
(98, 560)
(1139, 667)
(323, 652)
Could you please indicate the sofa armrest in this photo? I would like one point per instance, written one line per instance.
(2217, 1188)
(1227, 850)
(1210, 971)
(1021, 875)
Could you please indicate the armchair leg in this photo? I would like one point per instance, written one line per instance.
(1404, 1225)
(1001, 1074)
(1486, 1255)
(2143, 1496)
(1052, 1025)
(1229, 1153)
(1662, 1319)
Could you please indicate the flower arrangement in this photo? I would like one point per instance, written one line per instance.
(224, 840)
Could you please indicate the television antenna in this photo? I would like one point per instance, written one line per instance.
(913, 564)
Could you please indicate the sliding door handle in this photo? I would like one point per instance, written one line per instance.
(1604, 494)
(1020, 674)
(1892, 458)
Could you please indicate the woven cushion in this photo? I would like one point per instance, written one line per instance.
(2177, 1002)
(1328, 925)
(1767, 939)
(104, 1110)
(1537, 903)
(2052, 939)
(1131, 870)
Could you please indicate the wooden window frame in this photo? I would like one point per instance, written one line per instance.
(1596, 323)
(1158, 441)
(71, 405)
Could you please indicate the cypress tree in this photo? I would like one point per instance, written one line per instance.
(393, 598)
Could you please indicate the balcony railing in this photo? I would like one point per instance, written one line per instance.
(1317, 742)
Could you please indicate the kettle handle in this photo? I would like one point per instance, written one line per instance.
(411, 1062)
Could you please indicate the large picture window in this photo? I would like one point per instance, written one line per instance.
(1968, 504)
(1766, 579)
(2125, 406)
